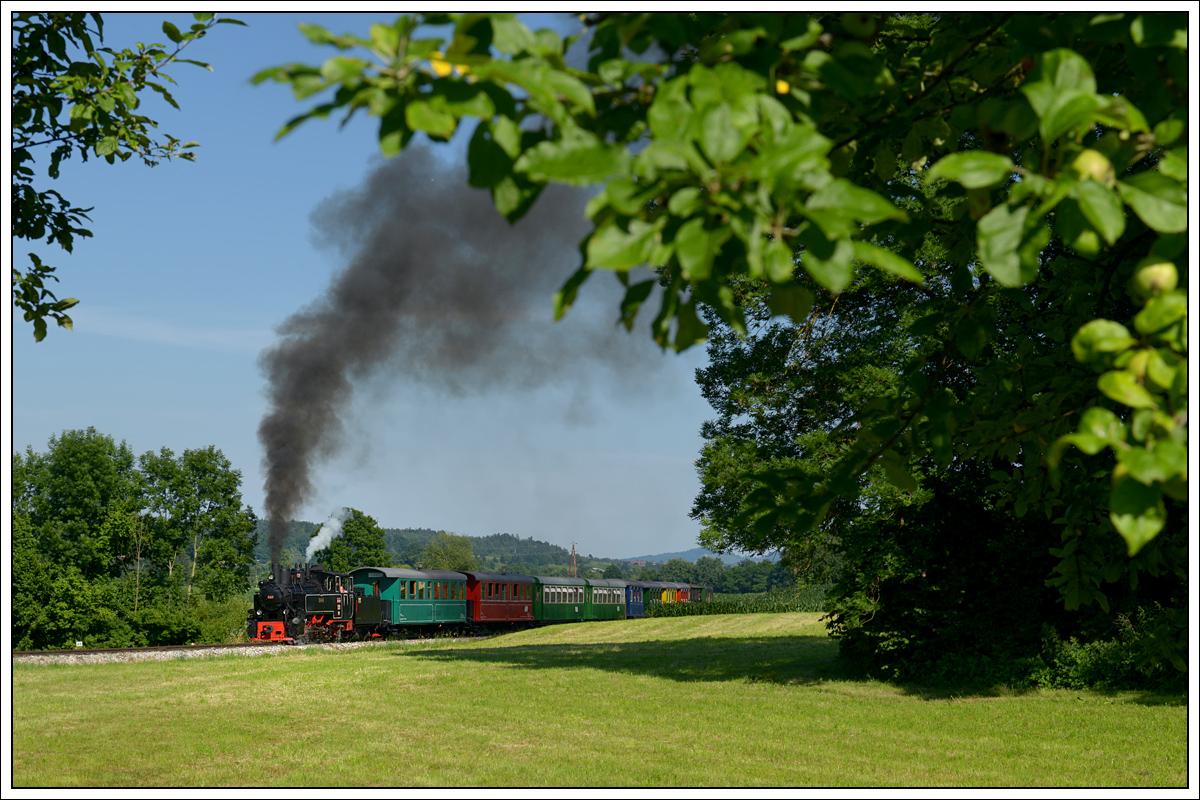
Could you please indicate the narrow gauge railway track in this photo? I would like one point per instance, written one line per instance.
(163, 648)
(168, 652)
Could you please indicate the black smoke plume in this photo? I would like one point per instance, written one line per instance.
(439, 289)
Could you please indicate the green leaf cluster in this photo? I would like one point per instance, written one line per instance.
(73, 97)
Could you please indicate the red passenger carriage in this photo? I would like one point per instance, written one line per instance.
(494, 598)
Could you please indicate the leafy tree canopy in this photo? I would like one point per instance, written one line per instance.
(120, 551)
(361, 544)
(997, 161)
(73, 97)
(448, 551)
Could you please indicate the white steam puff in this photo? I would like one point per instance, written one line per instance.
(327, 533)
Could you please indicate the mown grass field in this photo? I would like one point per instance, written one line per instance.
(736, 700)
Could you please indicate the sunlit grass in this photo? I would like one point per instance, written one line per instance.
(739, 700)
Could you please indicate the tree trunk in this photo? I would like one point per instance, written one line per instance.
(195, 558)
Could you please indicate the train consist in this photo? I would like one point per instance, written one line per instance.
(311, 603)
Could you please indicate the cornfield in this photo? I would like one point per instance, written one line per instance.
(794, 598)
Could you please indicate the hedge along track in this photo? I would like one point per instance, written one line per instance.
(180, 651)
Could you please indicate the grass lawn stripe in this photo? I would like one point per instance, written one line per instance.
(738, 700)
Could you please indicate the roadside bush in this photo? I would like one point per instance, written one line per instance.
(220, 622)
(1119, 663)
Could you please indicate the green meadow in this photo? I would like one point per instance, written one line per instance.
(728, 700)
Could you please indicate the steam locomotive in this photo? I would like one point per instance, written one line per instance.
(301, 604)
(312, 603)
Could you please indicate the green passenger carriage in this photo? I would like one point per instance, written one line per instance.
(415, 596)
(559, 599)
(607, 599)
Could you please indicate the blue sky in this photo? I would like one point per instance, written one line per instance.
(194, 265)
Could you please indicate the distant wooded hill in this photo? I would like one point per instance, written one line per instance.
(696, 553)
(500, 550)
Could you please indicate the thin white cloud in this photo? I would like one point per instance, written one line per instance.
(102, 321)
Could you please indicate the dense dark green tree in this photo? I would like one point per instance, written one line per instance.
(708, 571)
(926, 549)
(197, 522)
(31, 581)
(448, 551)
(614, 571)
(360, 544)
(73, 97)
(65, 494)
(676, 570)
(110, 554)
